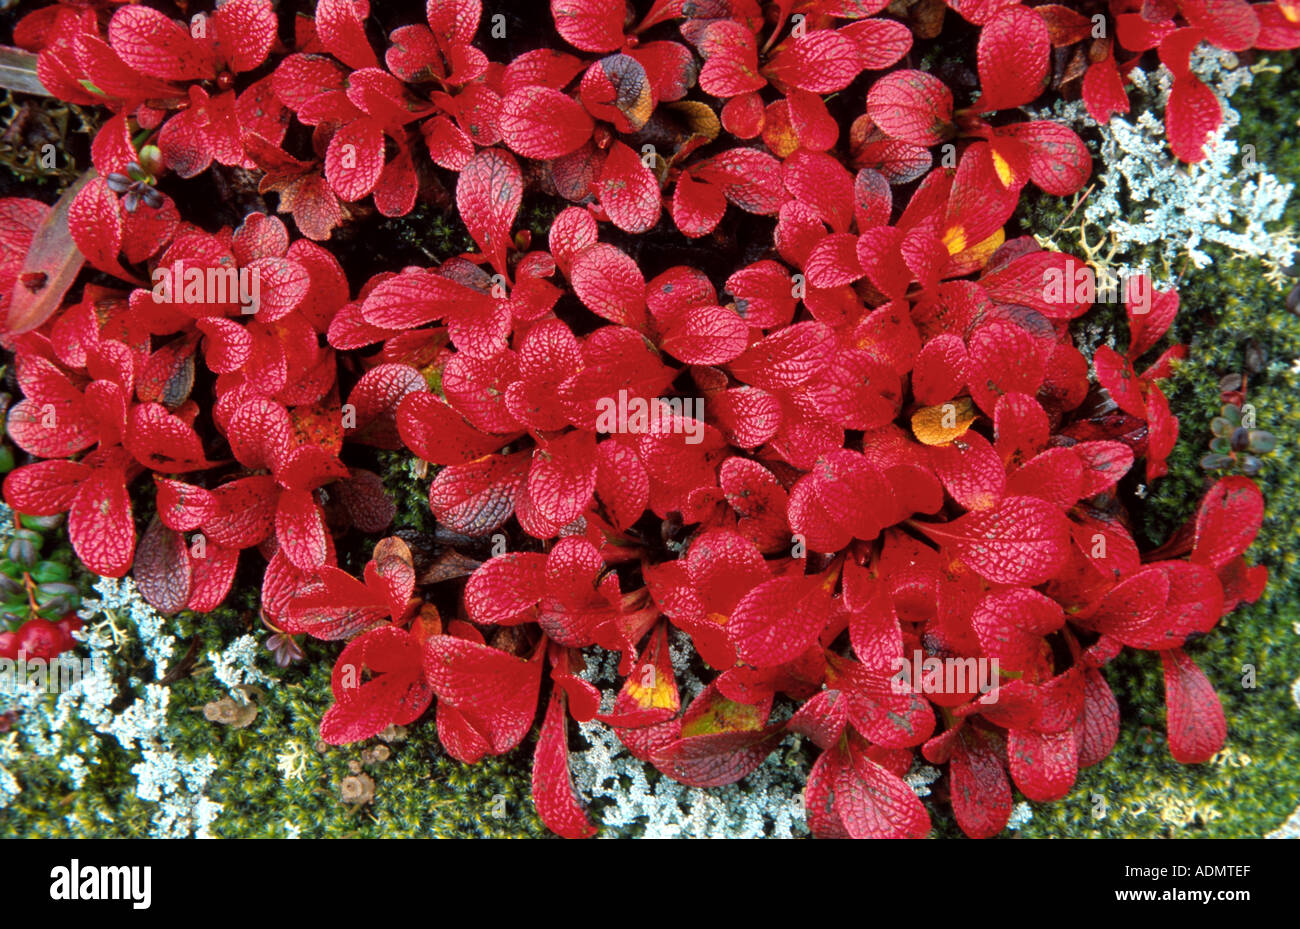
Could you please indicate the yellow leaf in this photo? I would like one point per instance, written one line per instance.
(940, 424)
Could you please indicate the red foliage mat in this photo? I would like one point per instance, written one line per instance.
(876, 440)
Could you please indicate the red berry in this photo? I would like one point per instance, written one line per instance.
(68, 625)
(40, 638)
(9, 645)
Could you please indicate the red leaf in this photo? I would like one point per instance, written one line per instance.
(1192, 114)
(300, 529)
(706, 335)
(873, 803)
(822, 61)
(779, 619)
(1197, 727)
(911, 106)
(506, 586)
(488, 193)
(355, 157)
(764, 294)
(44, 488)
(628, 190)
(621, 483)
(162, 569)
(538, 122)
(151, 43)
(970, 471)
(1013, 54)
(495, 690)
(438, 434)
(339, 25)
(1228, 519)
(1044, 765)
(557, 804)
(1021, 540)
(610, 284)
(477, 498)
(1059, 162)
(563, 477)
(100, 524)
(788, 357)
(375, 400)
(1103, 90)
(981, 795)
(591, 25)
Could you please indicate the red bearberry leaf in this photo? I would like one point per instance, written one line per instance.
(44, 488)
(162, 568)
(563, 477)
(610, 284)
(1021, 540)
(1192, 114)
(822, 61)
(1044, 765)
(505, 586)
(1003, 359)
(1197, 727)
(1013, 53)
(1059, 162)
(591, 25)
(911, 106)
(621, 483)
(1228, 519)
(1100, 726)
(100, 524)
(438, 434)
(779, 619)
(981, 794)
(970, 470)
(375, 400)
(495, 690)
(873, 803)
(839, 500)
(557, 805)
(477, 498)
(628, 190)
(339, 25)
(300, 529)
(488, 194)
(538, 122)
(706, 335)
(153, 44)
(788, 357)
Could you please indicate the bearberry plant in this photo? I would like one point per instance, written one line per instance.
(869, 444)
